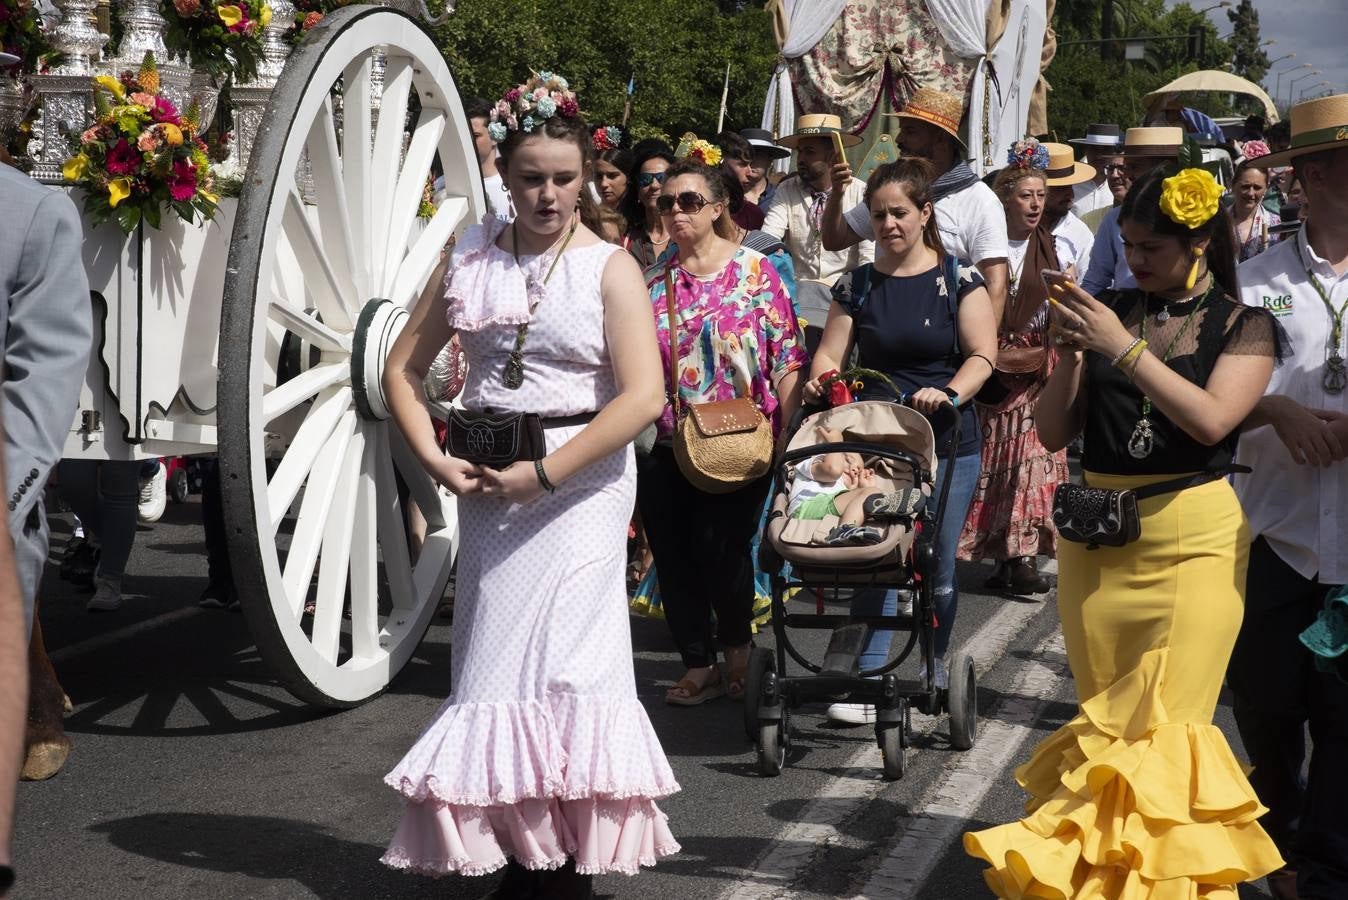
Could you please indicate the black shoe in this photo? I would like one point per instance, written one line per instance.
(79, 565)
(1023, 578)
(1001, 578)
(518, 883)
(567, 884)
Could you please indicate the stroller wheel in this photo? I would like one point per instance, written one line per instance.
(771, 748)
(761, 661)
(962, 701)
(892, 741)
(177, 486)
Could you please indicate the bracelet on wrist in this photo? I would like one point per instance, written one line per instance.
(954, 397)
(543, 477)
(1129, 353)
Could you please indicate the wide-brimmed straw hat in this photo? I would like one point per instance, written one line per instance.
(818, 125)
(761, 139)
(1103, 136)
(1063, 169)
(1317, 125)
(1156, 141)
(940, 108)
(7, 59)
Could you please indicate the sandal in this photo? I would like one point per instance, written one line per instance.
(694, 695)
(738, 674)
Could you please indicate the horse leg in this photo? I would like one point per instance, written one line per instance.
(46, 741)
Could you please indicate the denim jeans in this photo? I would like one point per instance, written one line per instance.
(886, 602)
(104, 495)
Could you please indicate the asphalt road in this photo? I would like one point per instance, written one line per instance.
(194, 775)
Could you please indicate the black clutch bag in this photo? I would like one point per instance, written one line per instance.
(1099, 517)
(494, 439)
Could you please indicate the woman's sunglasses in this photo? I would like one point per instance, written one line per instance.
(688, 202)
(646, 179)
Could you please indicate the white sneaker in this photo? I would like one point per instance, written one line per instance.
(851, 714)
(153, 495)
(942, 673)
(107, 595)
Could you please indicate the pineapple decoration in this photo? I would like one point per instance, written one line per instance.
(148, 76)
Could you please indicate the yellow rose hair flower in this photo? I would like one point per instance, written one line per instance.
(1191, 198)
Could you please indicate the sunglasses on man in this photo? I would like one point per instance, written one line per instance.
(646, 179)
(689, 202)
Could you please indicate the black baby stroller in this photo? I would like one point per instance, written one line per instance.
(897, 442)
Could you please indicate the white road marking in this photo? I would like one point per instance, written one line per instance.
(940, 820)
(108, 638)
(843, 796)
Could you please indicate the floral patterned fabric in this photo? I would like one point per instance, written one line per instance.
(892, 46)
(738, 333)
(1012, 510)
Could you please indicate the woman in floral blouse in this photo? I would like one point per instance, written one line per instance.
(738, 337)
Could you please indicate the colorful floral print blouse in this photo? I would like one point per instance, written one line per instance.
(738, 333)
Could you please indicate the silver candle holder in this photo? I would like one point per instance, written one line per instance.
(66, 93)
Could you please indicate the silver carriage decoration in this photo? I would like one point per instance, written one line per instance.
(64, 94)
(261, 337)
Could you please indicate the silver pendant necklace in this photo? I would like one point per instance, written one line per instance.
(1335, 376)
(1143, 439)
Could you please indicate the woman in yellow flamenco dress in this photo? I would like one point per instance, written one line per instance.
(1139, 796)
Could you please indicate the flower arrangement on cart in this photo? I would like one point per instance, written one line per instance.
(141, 155)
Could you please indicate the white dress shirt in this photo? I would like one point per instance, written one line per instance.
(788, 220)
(972, 223)
(1089, 196)
(1073, 240)
(1301, 510)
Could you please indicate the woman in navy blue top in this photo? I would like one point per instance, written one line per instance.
(934, 347)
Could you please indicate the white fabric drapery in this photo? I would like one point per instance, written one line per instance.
(963, 24)
(805, 21)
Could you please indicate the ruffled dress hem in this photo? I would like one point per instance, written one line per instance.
(1126, 804)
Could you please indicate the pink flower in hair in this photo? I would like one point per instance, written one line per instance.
(540, 93)
(512, 95)
(1255, 149)
(568, 108)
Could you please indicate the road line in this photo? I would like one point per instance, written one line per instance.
(109, 638)
(791, 851)
(954, 800)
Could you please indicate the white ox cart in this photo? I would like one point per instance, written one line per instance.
(261, 336)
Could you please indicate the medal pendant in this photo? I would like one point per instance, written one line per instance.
(514, 371)
(1139, 445)
(1336, 374)
(1163, 316)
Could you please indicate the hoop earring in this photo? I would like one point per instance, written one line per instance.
(1193, 271)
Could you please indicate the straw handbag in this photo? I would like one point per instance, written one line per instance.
(719, 446)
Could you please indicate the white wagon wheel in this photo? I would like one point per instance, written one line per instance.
(311, 466)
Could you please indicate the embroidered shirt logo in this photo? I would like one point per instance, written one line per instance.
(926, 323)
(1280, 305)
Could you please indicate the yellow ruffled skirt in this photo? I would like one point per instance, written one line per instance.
(1140, 796)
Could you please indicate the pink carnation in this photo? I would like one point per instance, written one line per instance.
(123, 159)
(183, 181)
(144, 99)
(149, 141)
(1255, 149)
(91, 135)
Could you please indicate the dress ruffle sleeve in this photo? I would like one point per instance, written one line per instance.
(1128, 805)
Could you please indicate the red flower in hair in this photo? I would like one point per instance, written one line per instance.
(568, 108)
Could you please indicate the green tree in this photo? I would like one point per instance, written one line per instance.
(677, 53)
(1248, 58)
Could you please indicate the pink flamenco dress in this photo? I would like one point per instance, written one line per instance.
(542, 751)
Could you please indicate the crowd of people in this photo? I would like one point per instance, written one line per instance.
(1183, 336)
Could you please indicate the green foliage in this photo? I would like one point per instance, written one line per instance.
(1094, 84)
(677, 51)
(1248, 58)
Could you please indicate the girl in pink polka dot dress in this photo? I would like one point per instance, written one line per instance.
(542, 760)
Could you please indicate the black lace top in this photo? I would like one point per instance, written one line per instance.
(1114, 404)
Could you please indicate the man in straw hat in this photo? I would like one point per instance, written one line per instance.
(1143, 150)
(969, 215)
(1297, 505)
(1062, 177)
(1103, 146)
(795, 215)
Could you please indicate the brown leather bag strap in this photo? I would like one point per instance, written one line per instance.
(672, 313)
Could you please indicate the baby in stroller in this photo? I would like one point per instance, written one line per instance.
(839, 484)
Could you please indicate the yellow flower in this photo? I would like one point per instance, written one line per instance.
(230, 14)
(173, 135)
(75, 167)
(118, 190)
(214, 198)
(111, 85)
(1191, 198)
(264, 17)
(709, 152)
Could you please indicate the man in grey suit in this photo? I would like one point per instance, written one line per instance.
(46, 332)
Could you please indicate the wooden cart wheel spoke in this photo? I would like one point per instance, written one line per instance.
(317, 289)
(407, 197)
(425, 253)
(332, 406)
(307, 327)
(307, 539)
(307, 245)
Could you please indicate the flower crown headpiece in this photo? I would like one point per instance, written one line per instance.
(700, 151)
(1191, 197)
(1027, 154)
(529, 105)
(607, 137)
